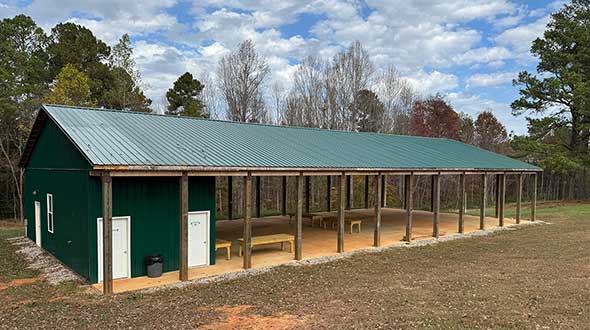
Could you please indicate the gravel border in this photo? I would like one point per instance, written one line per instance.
(51, 269)
(320, 260)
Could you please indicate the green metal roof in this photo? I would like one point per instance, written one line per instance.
(108, 137)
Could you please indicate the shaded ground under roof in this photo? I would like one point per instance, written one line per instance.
(316, 242)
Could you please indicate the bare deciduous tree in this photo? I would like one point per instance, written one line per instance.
(397, 96)
(210, 97)
(310, 88)
(292, 111)
(278, 94)
(241, 76)
(350, 72)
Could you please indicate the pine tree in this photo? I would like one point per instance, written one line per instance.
(370, 111)
(125, 90)
(562, 85)
(184, 97)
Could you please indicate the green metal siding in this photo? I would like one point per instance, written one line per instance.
(54, 150)
(153, 205)
(68, 242)
(58, 168)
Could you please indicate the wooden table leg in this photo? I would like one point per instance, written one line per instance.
(240, 250)
(228, 250)
(290, 246)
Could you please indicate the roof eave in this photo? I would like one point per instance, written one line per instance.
(278, 170)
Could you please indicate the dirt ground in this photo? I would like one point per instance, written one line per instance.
(535, 277)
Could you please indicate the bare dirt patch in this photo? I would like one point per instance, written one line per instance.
(18, 282)
(235, 318)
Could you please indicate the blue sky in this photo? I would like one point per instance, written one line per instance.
(468, 51)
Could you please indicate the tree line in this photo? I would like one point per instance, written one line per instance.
(344, 92)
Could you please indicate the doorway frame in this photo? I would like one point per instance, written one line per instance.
(208, 235)
(99, 263)
(38, 228)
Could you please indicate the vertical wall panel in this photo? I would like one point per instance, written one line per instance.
(153, 205)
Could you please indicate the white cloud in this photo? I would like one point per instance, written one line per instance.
(483, 55)
(450, 11)
(491, 79)
(111, 30)
(433, 82)
(520, 38)
(160, 66)
(108, 19)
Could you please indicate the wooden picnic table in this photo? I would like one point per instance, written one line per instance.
(333, 221)
(269, 239)
(313, 217)
(329, 215)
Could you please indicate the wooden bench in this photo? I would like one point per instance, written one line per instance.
(333, 222)
(313, 217)
(269, 239)
(223, 244)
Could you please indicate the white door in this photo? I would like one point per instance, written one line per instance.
(198, 238)
(121, 247)
(38, 223)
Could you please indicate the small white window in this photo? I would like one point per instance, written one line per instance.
(50, 213)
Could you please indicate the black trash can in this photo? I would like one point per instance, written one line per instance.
(154, 265)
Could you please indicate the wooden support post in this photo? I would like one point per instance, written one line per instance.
(107, 233)
(307, 193)
(341, 206)
(299, 214)
(534, 201)
(329, 193)
(284, 197)
(349, 192)
(377, 234)
(435, 205)
(248, 221)
(258, 188)
(367, 192)
(498, 188)
(230, 198)
(404, 191)
(518, 197)
(409, 183)
(482, 202)
(502, 200)
(384, 190)
(432, 192)
(461, 203)
(183, 225)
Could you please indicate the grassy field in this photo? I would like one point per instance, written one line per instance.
(536, 277)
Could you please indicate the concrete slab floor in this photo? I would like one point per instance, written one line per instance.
(316, 242)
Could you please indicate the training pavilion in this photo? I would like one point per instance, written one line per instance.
(104, 188)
